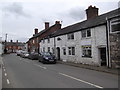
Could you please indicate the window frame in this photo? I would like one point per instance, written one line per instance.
(71, 50)
(85, 33)
(86, 50)
(70, 36)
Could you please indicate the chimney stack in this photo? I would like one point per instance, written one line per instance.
(36, 30)
(46, 25)
(17, 41)
(11, 40)
(91, 12)
(57, 22)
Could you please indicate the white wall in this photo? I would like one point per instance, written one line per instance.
(97, 39)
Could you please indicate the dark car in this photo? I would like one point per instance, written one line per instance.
(33, 56)
(47, 57)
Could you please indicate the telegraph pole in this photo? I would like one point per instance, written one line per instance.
(5, 49)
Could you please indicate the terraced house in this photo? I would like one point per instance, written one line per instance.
(88, 42)
(33, 42)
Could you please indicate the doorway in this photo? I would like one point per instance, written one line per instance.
(58, 53)
(103, 56)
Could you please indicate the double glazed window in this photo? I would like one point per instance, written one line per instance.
(86, 51)
(115, 25)
(70, 36)
(71, 50)
(86, 33)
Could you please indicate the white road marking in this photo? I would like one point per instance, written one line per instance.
(5, 74)
(81, 80)
(40, 66)
(8, 82)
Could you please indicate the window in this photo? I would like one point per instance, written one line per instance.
(33, 41)
(70, 36)
(71, 50)
(86, 51)
(86, 33)
(48, 49)
(43, 40)
(115, 25)
(48, 40)
(43, 49)
(64, 51)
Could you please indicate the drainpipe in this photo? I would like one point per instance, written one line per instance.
(55, 47)
(108, 43)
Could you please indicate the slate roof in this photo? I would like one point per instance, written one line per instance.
(99, 20)
(14, 44)
(41, 32)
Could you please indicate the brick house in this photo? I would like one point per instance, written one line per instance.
(33, 42)
(13, 46)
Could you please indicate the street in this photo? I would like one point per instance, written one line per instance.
(25, 73)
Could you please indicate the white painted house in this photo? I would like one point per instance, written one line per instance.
(84, 42)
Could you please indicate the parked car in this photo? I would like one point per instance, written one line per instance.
(24, 54)
(18, 52)
(33, 56)
(47, 57)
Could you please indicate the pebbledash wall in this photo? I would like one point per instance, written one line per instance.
(96, 40)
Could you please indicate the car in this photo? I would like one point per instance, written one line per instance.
(47, 57)
(24, 54)
(18, 52)
(33, 56)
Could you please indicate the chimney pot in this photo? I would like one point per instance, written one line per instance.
(46, 25)
(57, 22)
(36, 30)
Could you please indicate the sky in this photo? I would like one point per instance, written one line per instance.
(19, 18)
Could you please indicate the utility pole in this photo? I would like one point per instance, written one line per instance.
(5, 49)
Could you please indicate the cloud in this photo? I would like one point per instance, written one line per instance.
(16, 9)
(77, 13)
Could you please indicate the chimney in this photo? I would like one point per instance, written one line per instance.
(58, 25)
(11, 40)
(46, 25)
(91, 12)
(36, 30)
(17, 41)
(57, 22)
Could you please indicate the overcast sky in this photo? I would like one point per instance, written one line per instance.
(18, 18)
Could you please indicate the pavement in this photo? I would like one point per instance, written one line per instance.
(91, 67)
(0, 72)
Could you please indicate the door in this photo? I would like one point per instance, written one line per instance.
(58, 53)
(103, 56)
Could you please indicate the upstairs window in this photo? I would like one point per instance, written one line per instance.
(70, 36)
(48, 40)
(43, 40)
(86, 33)
(115, 25)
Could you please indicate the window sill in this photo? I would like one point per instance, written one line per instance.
(85, 38)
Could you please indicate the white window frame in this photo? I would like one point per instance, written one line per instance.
(71, 50)
(114, 22)
(85, 51)
(86, 33)
(70, 36)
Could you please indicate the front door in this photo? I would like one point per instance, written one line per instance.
(103, 56)
(58, 53)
